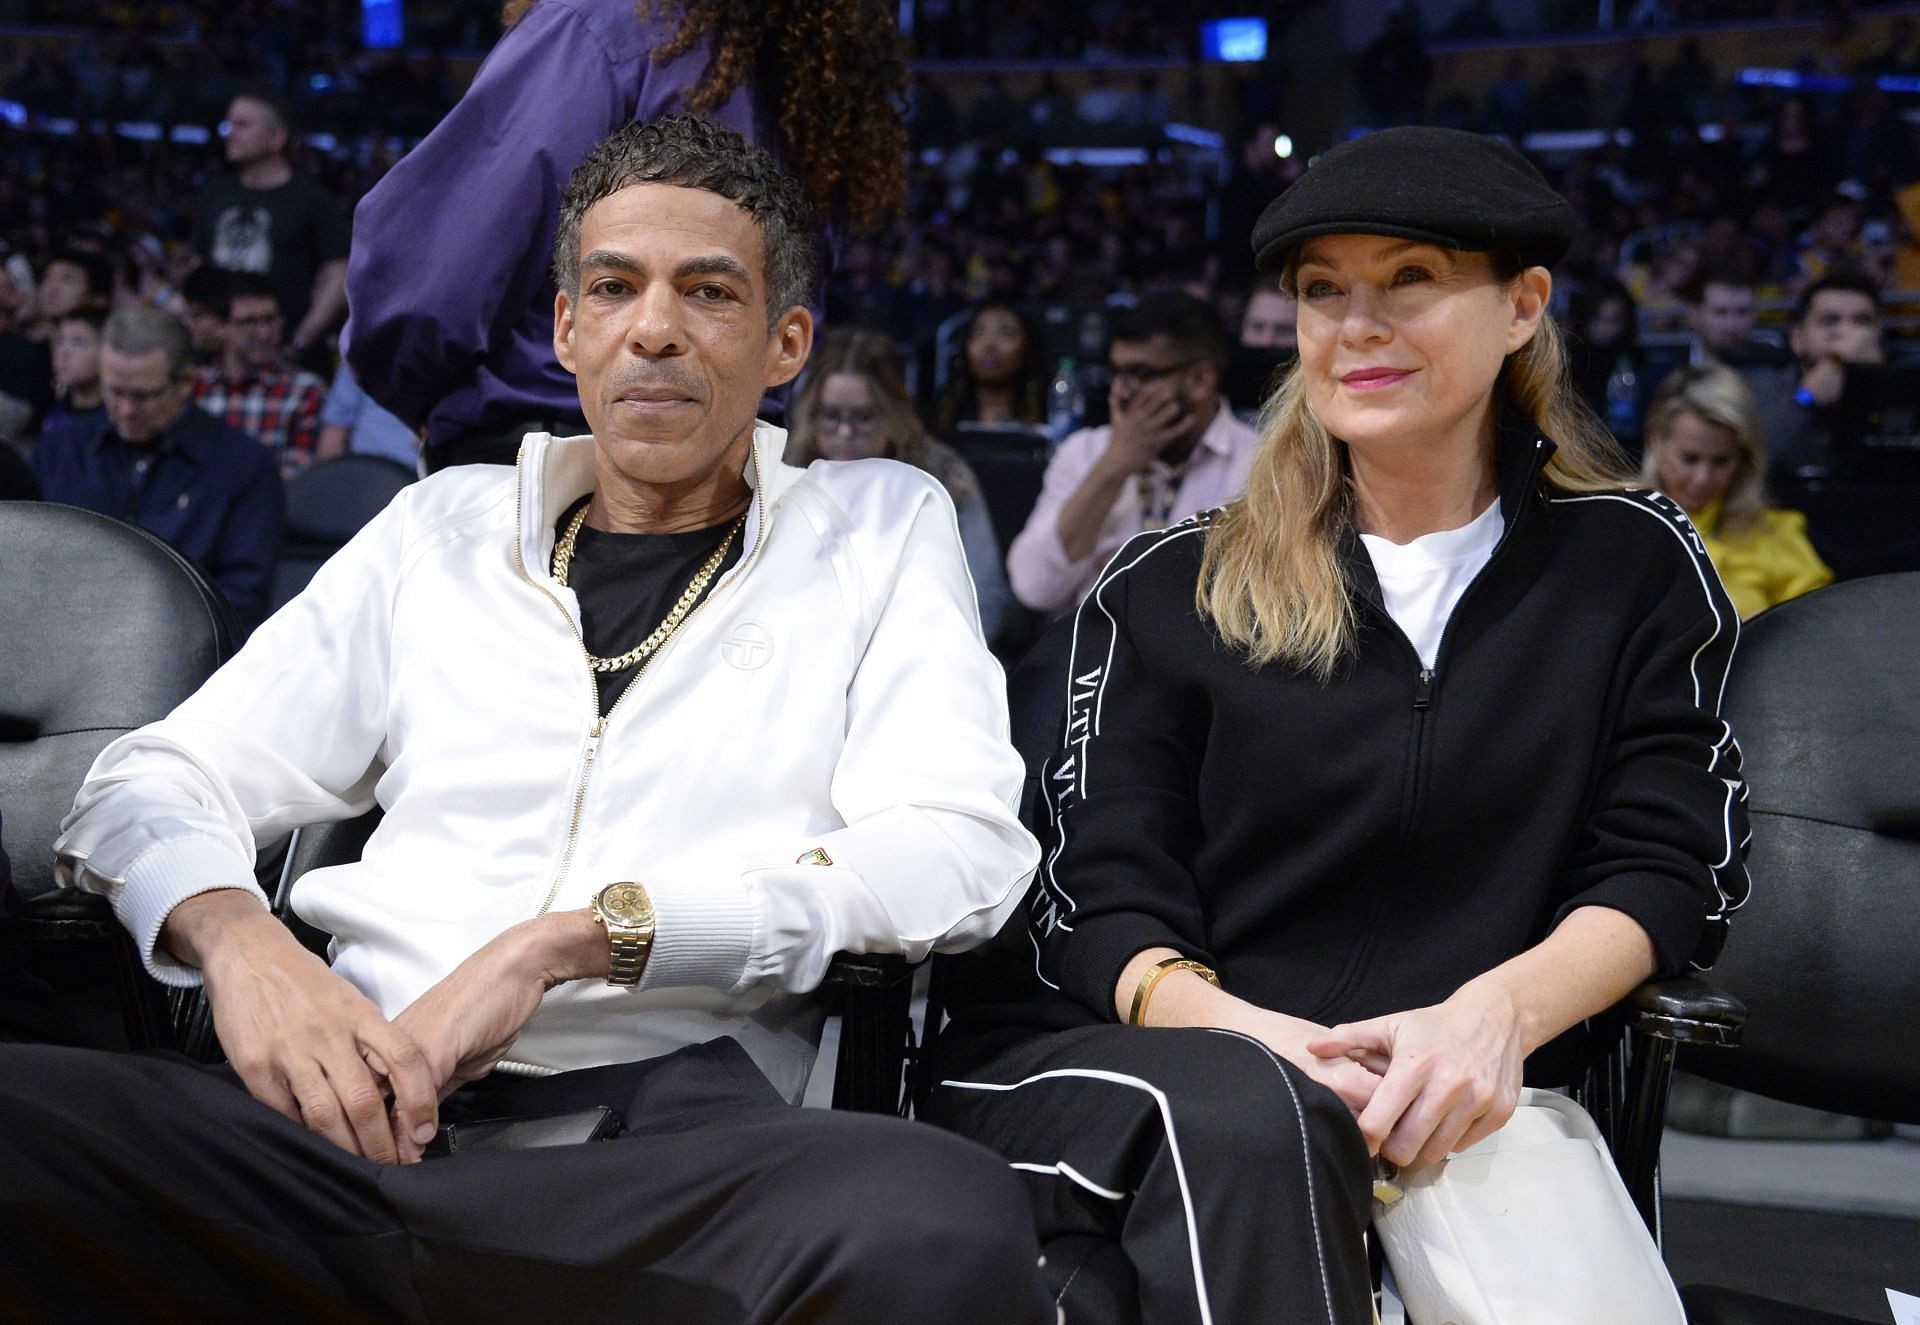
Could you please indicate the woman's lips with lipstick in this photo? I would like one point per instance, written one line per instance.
(1373, 379)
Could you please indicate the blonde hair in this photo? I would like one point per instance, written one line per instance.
(873, 357)
(1271, 578)
(1714, 393)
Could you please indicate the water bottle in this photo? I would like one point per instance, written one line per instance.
(1623, 399)
(1066, 402)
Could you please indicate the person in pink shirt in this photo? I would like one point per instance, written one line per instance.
(1173, 448)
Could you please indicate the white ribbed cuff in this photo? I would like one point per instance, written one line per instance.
(703, 935)
(165, 877)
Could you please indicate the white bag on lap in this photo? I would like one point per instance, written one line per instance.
(1531, 1226)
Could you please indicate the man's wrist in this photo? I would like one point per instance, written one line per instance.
(200, 926)
(568, 945)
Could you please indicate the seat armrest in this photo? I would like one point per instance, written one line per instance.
(65, 906)
(866, 970)
(874, 995)
(81, 965)
(1687, 1010)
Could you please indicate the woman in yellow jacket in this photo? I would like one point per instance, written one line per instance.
(1704, 450)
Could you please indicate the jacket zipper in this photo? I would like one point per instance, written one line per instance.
(1427, 679)
(595, 732)
(1426, 686)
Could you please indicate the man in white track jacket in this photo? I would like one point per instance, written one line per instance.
(658, 724)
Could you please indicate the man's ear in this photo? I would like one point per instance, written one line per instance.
(788, 346)
(1795, 341)
(563, 329)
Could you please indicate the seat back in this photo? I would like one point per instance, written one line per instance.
(1037, 710)
(1010, 460)
(1826, 952)
(327, 506)
(1860, 526)
(103, 628)
(961, 984)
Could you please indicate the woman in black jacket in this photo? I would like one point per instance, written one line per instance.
(1375, 783)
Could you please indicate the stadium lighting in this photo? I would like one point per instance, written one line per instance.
(1194, 136)
(1283, 145)
(1792, 78)
(1234, 40)
(382, 22)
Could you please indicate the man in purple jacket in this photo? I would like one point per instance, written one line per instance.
(452, 321)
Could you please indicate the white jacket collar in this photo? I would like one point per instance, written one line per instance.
(555, 472)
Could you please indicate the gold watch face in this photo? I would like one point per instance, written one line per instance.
(625, 904)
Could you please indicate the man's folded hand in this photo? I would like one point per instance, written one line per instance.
(303, 1041)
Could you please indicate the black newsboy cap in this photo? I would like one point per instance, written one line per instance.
(1442, 186)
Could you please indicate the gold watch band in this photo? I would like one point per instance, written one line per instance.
(629, 956)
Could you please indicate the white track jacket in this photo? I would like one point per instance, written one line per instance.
(831, 692)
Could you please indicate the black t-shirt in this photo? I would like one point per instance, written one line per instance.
(627, 583)
(288, 233)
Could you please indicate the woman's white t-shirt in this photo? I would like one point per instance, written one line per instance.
(1421, 581)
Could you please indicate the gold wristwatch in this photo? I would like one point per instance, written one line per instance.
(627, 915)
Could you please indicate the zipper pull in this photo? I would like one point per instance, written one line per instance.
(1423, 690)
(593, 736)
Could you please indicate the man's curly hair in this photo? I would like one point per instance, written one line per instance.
(834, 78)
(693, 153)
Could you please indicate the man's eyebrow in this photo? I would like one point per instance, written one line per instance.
(605, 260)
(717, 264)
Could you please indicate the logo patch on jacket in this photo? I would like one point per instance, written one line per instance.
(749, 647)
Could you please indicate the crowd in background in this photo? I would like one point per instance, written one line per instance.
(1688, 180)
(1782, 184)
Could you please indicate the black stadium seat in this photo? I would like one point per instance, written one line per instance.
(103, 628)
(1859, 526)
(1010, 460)
(326, 506)
(1826, 952)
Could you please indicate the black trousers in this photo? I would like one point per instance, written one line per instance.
(144, 1187)
(1238, 1188)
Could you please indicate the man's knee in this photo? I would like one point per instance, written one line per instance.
(931, 1227)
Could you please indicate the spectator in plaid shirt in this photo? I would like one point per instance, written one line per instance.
(253, 386)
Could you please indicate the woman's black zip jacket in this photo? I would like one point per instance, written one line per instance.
(1342, 849)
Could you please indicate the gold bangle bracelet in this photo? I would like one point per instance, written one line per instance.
(1137, 1017)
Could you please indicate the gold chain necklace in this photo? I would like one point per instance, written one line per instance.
(563, 558)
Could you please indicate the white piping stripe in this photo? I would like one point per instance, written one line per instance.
(1034, 939)
(1173, 1149)
(1648, 504)
(1047, 793)
(1113, 630)
(1306, 1161)
(1071, 1174)
(1059, 843)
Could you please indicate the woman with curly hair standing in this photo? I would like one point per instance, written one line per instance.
(452, 304)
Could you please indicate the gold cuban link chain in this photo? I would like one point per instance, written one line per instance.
(563, 557)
